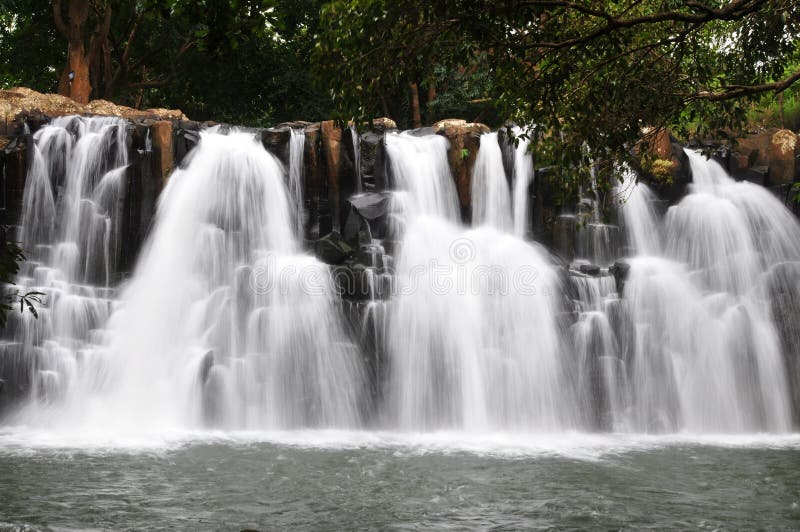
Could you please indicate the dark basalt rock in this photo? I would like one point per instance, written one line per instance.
(276, 139)
(333, 249)
(206, 364)
(620, 272)
(783, 289)
(374, 161)
(509, 152)
(589, 269)
(563, 241)
(186, 135)
(368, 212)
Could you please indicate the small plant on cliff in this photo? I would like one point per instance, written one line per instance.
(662, 171)
(11, 257)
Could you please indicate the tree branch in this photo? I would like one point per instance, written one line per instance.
(148, 84)
(732, 92)
(733, 11)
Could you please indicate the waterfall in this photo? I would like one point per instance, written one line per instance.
(639, 216)
(474, 341)
(521, 180)
(491, 201)
(70, 231)
(225, 322)
(356, 138)
(700, 346)
(422, 175)
(297, 143)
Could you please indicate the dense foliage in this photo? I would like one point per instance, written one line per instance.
(591, 74)
(244, 61)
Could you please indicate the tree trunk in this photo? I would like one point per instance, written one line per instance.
(431, 91)
(77, 67)
(415, 113)
(431, 98)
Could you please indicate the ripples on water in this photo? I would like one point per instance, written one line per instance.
(342, 480)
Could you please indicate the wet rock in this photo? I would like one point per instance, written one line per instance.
(368, 212)
(589, 269)
(161, 137)
(14, 159)
(772, 153)
(782, 154)
(620, 272)
(315, 195)
(333, 249)
(339, 170)
(755, 174)
(671, 172)
(783, 290)
(206, 364)
(276, 139)
(754, 148)
(508, 149)
(464, 140)
(351, 281)
(186, 135)
(381, 124)
(564, 237)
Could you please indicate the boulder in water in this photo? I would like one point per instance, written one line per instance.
(589, 269)
(620, 272)
(206, 364)
(333, 249)
(367, 211)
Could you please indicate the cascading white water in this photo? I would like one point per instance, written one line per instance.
(492, 202)
(602, 378)
(356, 138)
(297, 144)
(639, 217)
(474, 341)
(521, 180)
(70, 233)
(225, 322)
(704, 352)
(422, 175)
(491, 199)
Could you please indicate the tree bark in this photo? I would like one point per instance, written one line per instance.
(73, 29)
(416, 116)
(431, 98)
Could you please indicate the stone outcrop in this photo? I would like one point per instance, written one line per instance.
(464, 140)
(161, 137)
(21, 104)
(767, 158)
(340, 170)
(670, 172)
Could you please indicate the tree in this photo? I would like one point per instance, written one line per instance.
(591, 74)
(244, 61)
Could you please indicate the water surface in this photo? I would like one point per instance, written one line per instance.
(350, 480)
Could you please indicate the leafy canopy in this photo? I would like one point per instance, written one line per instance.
(590, 74)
